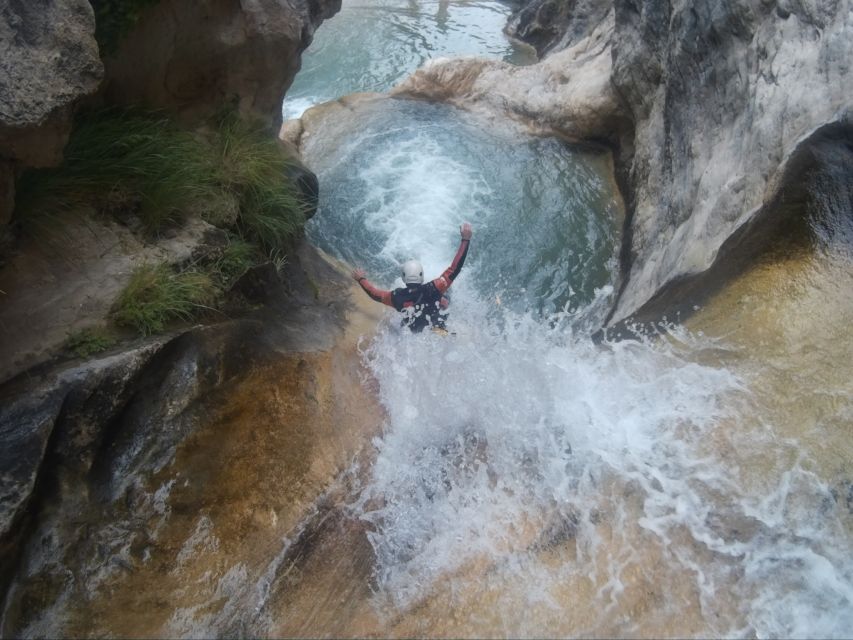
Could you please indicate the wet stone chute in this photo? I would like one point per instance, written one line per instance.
(308, 468)
(533, 482)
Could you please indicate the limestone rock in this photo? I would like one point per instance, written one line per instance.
(142, 471)
(569, 92)
(555, 24)
(723, 95)
(194, 57)
(712, 105)
(49, 294)
(48, 61)
(30, 412)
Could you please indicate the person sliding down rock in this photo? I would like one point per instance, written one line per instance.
(422, 305)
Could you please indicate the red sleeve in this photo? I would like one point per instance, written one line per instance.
(380, 295)
(443, 282)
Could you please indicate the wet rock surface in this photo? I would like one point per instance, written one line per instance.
(708, 104)
(215, 443)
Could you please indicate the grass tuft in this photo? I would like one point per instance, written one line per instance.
(235, 260)
(142, 164)
(88, 342)
(252, 167)
(119, 162)
(156, 295)
(145, 170)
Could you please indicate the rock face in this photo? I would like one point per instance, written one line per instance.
(555, 24)
(138, 473)
(569, 92)
(56, 287)
(190, 58)
(48, 61)
(714, 107)
(724, 96)
(193, 57)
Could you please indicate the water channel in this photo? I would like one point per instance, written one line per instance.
(531, 483)
(371, 45)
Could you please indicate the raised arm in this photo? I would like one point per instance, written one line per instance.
(380, 295)
(443, 282)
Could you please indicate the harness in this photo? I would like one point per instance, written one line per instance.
(420, 305)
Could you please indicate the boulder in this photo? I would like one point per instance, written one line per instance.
(48, 62)
(192, 58)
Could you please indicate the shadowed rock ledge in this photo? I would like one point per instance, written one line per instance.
(225, 433)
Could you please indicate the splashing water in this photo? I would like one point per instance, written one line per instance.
(546, 217)
(549, 461)
(529, 482)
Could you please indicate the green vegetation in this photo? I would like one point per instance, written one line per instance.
(142, 164)
(119, 162)
(88, 342)
(157, 295)
(144, 170)
(251, 168)
(114, 18)
(236, 258)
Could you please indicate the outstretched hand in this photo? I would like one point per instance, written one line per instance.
(358, 274)
(465, 231)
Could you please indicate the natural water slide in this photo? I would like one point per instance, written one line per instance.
(529, 483)
(515, 479)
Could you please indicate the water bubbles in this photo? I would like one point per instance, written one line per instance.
(525, 474)
(517, 451)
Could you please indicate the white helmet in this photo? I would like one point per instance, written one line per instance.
(413, 272)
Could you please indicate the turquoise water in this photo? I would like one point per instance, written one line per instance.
(546, 220)
(370, 45)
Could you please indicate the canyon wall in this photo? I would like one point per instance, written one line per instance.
(140, 472)
(727, 99)
(715, 109)
(86, 440)
(189, 58)
(192, 57)
(49, 62)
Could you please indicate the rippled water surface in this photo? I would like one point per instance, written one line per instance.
(546, 217)
(370, 45)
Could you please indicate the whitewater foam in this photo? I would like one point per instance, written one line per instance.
(508, 441)
(537, 482)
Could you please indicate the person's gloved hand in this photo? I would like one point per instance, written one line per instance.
(465, 231)
(358, 274)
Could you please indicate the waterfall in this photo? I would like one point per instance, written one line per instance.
(531, 483)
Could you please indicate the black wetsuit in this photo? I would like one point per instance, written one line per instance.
(422, 305)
